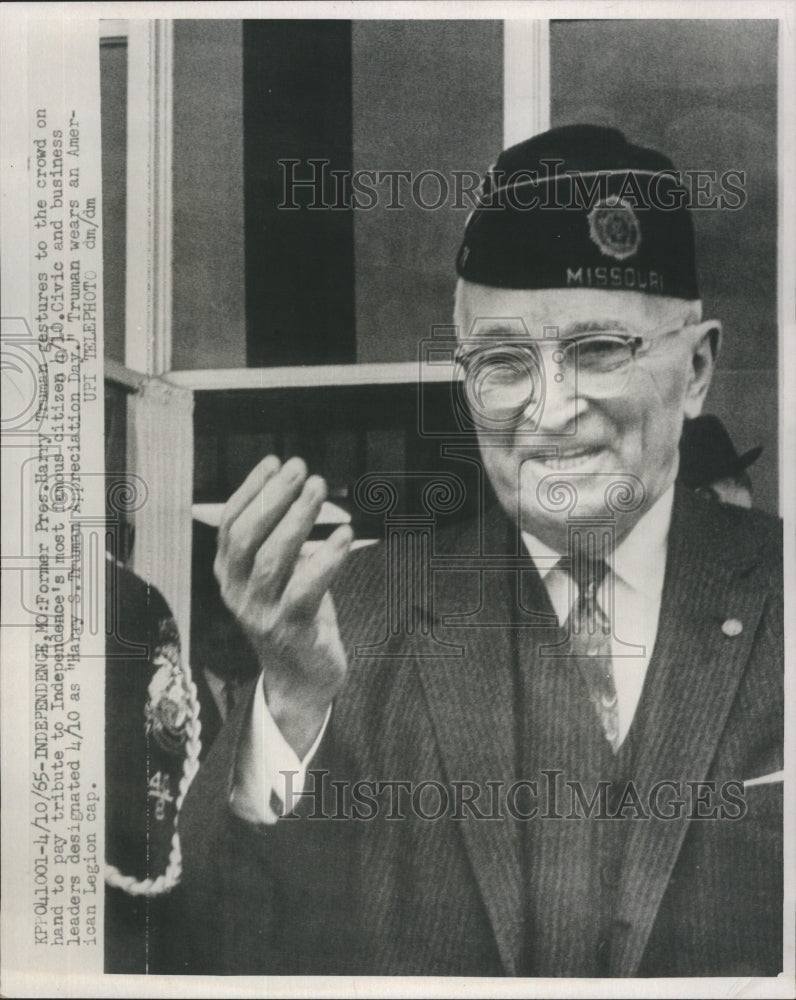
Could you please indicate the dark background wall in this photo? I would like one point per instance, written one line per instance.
(427, 95)
(297, 108)
(705, 93)
(208, 291)
(422, 95)
(113, 70)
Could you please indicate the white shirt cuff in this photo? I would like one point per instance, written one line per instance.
(269, 777)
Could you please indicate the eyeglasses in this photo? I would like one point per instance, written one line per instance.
(506, 382)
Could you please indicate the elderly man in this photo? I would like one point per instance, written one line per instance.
(579, 776)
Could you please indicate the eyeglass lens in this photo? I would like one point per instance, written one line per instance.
(512, 378)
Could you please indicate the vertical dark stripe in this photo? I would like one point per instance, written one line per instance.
(113, 95)
(299, 263)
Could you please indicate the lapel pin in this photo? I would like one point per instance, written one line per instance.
(732, 627)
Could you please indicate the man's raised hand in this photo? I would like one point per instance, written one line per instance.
(281, 596)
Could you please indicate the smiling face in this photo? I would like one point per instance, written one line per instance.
(589, 441)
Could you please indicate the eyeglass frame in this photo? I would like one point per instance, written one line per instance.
(637, 342)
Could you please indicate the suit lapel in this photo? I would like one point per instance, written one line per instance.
(471, 701)
(691, 682)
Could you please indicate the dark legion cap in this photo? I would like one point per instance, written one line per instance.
(581, 207)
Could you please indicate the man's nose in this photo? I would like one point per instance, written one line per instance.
(561, 405)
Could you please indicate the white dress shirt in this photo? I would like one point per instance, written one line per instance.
(636, 571)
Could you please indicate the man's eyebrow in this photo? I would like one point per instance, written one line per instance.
(594, 326)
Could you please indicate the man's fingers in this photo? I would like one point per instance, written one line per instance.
(246, 492)
(277, 557)
(314, 575)
(257, 520)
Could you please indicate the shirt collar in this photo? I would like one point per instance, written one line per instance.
(639, 559)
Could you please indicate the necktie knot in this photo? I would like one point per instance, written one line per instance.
(588, 575)
(587, 570)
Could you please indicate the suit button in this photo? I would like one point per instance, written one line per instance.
(607, 876)
(603, 956)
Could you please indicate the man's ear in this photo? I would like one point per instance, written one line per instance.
(705, 348)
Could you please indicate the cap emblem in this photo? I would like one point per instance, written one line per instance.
(614, 228)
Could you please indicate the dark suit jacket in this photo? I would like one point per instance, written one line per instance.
(449, 897)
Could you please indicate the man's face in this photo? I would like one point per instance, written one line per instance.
(589, 440)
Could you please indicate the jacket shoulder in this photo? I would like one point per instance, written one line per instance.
(711, 537)
(751, 531)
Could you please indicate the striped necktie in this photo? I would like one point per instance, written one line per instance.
(589, 631)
